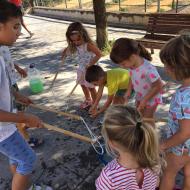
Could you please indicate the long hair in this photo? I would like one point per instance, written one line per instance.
(176, 55)
(8, 10)
(123, 125)
(73, 29)
(123, 48)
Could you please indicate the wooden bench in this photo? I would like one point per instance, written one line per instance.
(163, 27)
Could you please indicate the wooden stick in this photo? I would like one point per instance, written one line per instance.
(68, 133)
(51, 86)
(73, 89)
(70, 115)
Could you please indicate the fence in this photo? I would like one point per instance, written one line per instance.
(131, 6)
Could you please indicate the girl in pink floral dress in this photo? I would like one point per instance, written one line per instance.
(145, 79)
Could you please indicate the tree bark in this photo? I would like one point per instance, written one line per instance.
(101, 23)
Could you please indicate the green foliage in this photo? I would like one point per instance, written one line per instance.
(173, 5)
(123, 9)
(107, 49)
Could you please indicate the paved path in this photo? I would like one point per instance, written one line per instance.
(64, 163)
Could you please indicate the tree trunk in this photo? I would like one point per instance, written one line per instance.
(101, 23)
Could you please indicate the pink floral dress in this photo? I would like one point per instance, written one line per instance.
(142, 79)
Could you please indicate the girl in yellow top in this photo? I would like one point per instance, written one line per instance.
(117, 82)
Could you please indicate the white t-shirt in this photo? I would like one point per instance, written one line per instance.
(6, 129)
(5, 53)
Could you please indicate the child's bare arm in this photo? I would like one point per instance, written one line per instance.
(155, 89)
(99, 96)
(105, 106)
(91, 47)
(65, 53)
(20, 117)
(21, 71)
(21, 98)
(128, 93)
(179, 137)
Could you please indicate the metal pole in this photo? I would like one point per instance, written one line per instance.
(176, 8)
(158, 8)
(119, 5)
(66, 4)
(80, 4)
(145, 6)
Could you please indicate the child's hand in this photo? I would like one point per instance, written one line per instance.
(32, 121)
(92, 109)
(95, 114)
(24, 99)
(22, 72)
(141, 105)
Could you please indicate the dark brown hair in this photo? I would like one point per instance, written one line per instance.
(73, 29)
(176, 55)
(94, 73)
(123, 48)
(8, 10)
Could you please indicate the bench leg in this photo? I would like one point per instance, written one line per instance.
(152, 51)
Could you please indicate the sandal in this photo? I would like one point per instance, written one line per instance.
(34, 142)
(42, 187)
(86, 104)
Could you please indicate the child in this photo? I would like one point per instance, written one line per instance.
(134, 145)
(5, 53)
(18, 3)
(176, 59)
(88, 54)
(116, 80)
(145, 79)
(12, 145)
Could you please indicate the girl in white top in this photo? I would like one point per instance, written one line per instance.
(87, 53)
(134, 145)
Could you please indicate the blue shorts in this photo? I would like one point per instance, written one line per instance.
(19, 153)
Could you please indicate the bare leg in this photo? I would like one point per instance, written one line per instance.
(187, 176)
(13, 169)
(93, 94)
(20, 182)
(23, 24)
(174, 164)
(86, 92)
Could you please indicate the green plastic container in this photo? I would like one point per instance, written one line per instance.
(36, 85)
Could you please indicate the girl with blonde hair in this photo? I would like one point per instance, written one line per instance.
(175, 56)
(134, 146)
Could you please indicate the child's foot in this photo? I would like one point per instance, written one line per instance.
(86, 104)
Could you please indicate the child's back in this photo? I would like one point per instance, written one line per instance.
(115, 176)
(117, 79)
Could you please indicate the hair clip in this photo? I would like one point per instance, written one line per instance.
(75, 32)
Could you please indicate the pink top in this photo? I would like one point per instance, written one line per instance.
(116, 177)
(142, 79)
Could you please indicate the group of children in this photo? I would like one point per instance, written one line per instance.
(129, 133)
